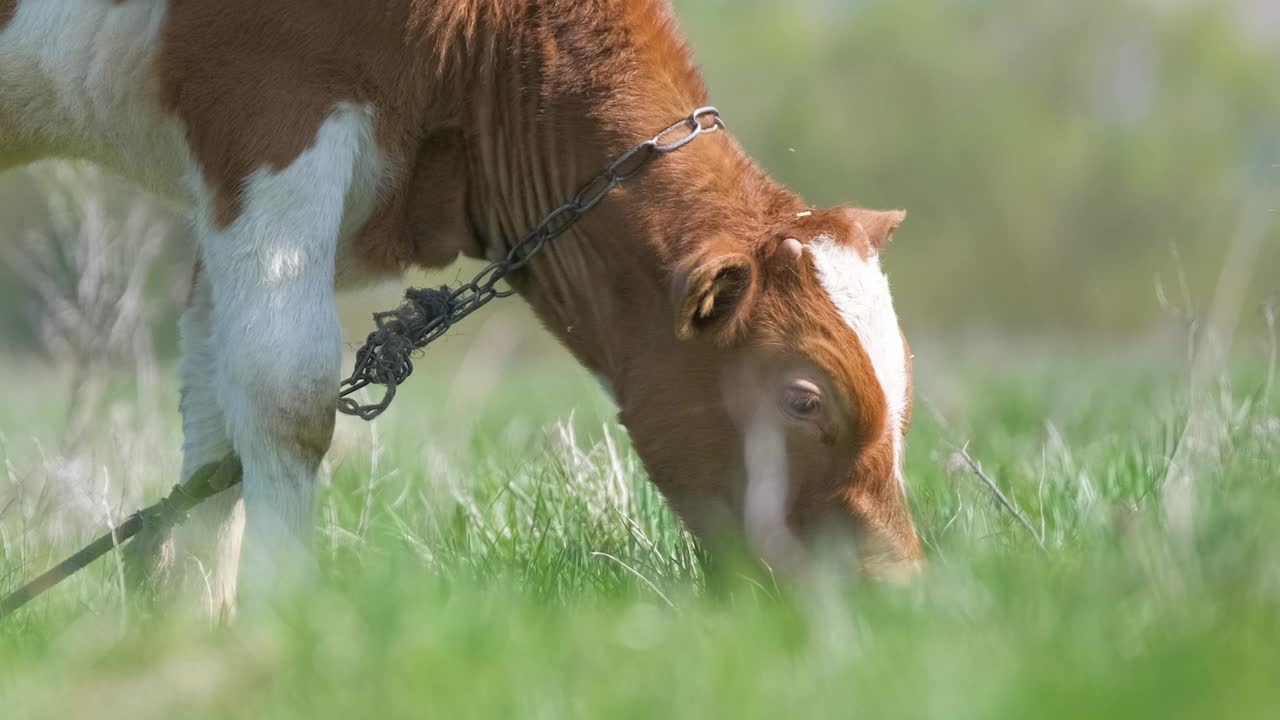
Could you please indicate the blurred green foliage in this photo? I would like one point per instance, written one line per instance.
(480, 560)
(1052, 154)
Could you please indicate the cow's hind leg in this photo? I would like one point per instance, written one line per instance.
(277, 341)
(205, 551)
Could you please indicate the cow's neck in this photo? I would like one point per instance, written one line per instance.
(552, 110)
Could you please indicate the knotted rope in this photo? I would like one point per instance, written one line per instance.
(386, 358)
(169, 512)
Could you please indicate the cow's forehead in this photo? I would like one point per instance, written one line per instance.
(858, 288)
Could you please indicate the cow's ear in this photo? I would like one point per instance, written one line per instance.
(714, 294)
(879, 225)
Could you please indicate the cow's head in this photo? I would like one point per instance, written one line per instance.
(779, 408)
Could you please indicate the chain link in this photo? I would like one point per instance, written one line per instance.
(386, 358)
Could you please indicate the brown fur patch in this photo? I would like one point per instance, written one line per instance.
(253, 81)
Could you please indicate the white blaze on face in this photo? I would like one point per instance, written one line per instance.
(860, 291)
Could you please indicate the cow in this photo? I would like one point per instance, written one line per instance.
(749, 340)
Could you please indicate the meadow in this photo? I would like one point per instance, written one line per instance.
(1097, 484)
(492, 549)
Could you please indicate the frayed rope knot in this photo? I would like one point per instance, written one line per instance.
(386, 358)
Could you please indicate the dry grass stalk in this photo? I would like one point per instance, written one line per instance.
(1199, 449)
(976, 468)
(88, 272)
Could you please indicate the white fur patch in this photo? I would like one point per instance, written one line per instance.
(76, 81)
(860, 291)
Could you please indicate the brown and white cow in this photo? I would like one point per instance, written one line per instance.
(749, 340)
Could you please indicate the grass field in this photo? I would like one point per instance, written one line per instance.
(494, 551)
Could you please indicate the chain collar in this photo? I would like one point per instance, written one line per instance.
(387, 356)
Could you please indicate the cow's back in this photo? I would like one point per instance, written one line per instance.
(192, 97)
(146, 86)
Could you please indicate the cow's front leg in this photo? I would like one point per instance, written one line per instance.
(278, 344)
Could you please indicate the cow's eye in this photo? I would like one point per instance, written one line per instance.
(802, 400)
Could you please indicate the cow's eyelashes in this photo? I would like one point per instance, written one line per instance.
(802, 400)
(803, 403)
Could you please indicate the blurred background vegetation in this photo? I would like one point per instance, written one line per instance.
(1059, 159)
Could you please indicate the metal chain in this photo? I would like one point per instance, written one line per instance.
(386, 358)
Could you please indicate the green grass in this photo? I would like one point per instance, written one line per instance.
(496, 552)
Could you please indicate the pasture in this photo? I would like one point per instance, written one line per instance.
(491, 549)
(1095, 480)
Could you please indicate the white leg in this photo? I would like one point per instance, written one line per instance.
(210, 539)
(204, 552)
(277, 341)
